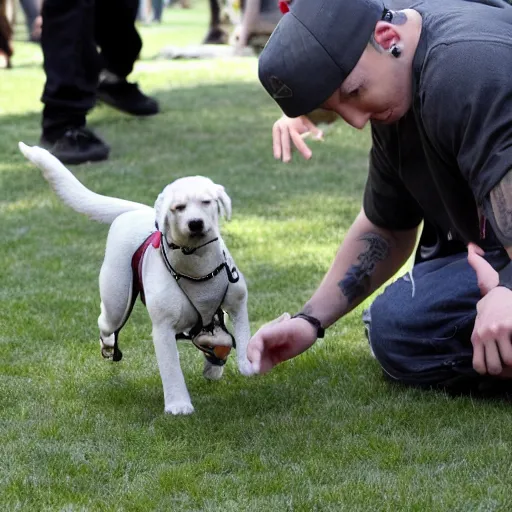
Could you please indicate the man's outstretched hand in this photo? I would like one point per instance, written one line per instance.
(279, 340)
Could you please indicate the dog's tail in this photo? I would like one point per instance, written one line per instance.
(100, 208)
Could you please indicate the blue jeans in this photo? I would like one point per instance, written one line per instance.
(419, 328)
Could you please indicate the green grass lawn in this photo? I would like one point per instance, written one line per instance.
(321, 432)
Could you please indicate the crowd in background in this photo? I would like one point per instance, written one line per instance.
(85, 60)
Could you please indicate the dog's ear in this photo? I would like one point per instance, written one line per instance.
(161, 207)
(223, 202)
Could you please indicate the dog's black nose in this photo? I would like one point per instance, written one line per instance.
(196, 225)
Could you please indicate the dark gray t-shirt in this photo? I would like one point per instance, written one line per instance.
(455, 143)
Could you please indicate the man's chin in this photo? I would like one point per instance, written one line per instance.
(387, 118)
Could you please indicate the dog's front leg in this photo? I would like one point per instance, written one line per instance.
(236, 307)
(176, 397)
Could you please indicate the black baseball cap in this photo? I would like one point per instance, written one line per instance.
(314, 48)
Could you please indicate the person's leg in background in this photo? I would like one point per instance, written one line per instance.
(120, 45)
(5, 37)
(158, 6)
(32, 11)
(144, 11)
(72, 66)
(216, 33)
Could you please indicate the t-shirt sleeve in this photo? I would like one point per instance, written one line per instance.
(466, 96)
(387, 202)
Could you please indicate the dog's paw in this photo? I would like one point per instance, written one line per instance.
(110, 349)
(107, 352)
(212, 372)
(246, 368)
(108, 342)
(179, 408)
(107, 346)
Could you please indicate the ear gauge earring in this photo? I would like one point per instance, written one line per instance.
(387, 15)
(395, 51)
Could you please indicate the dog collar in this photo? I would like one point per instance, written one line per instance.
(187, 250)
(232, 273)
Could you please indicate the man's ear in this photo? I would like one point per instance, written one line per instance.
(223, 201)
(386, 35)
(162, 204)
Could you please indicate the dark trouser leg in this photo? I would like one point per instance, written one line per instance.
(214, 13)
(216, 33)
(420, 328)
(120, 49)
(117, 35)
(71, 64)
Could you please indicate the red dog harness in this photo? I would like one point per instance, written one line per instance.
(138, 287)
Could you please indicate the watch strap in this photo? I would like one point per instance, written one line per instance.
(320, 331)
(505, 275)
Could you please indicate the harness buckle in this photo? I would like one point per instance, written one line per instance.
(232, 273)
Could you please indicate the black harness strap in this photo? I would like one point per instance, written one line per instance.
(232, 273)
(208, 350)
(233, 277)
(187, 250)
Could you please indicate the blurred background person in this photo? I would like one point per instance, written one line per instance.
(33, 19)
(5, 36)
(89, 49)
(251, 19)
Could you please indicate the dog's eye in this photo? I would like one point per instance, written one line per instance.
(180, 207)
(206, 202)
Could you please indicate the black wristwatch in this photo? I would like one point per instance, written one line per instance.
(320, 331)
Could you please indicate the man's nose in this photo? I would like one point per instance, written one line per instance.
(353, 116)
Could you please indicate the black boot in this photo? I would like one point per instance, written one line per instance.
(216, 35)
(127, 97)
(76, 146)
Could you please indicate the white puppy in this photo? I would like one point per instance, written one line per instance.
(175, 257)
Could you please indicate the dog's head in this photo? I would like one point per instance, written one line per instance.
(187, 211)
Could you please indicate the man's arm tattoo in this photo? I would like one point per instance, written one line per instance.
(357, 280)
(498, 209)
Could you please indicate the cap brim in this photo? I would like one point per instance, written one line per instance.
(296, 70)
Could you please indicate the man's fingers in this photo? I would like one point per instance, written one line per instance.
(486, 276)
(479, 360)
(301, 146)
(254, 352)
(276, 141)
(313, 129)
(505, 348)
(492, 358)
(486, 356)
(258, 347)
(478, 354)
(475, 249)
(286, 152)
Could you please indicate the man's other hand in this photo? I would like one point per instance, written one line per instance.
(287, 130)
